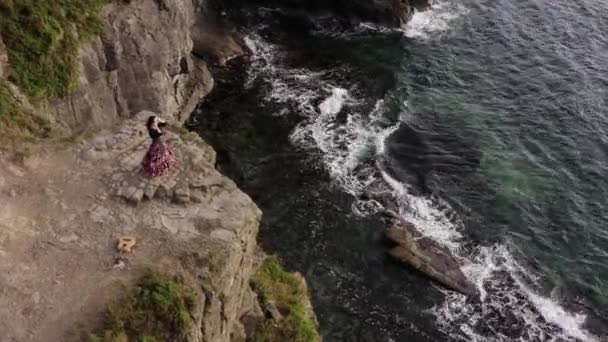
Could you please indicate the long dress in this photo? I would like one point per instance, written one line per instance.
(160, 158)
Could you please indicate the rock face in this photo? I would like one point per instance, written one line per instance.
(3, 60)
(427, 257)
(142, 62)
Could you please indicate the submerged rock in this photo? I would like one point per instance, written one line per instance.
(427, 257)
(393, 13)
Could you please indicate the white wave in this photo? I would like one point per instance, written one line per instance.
(288, 86)
(430, 221)
(262, 61)
(343, 145)
(438, 18)
(505, 295)
(350, 148)
(333, 104)
(571, 323)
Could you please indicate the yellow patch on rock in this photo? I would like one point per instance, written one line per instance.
(126, 243)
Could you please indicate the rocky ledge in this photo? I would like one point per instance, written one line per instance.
(61, 215)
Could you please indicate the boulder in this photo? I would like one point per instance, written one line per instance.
(427, 257)
(215, 45)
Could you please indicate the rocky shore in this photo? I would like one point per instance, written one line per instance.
(62, 209)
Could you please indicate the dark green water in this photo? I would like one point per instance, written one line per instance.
(486, 122)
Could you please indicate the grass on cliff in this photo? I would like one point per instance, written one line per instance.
(273, 284)
(42, 38)
(159, 309)
(16, 122)
(183, 133)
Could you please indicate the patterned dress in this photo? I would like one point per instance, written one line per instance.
(160, 158)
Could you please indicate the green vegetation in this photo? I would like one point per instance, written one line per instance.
(43, 37)
(288, 293)
(160, 309)
(185, 134)
(17, 123)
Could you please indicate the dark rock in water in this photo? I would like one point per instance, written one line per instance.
(393, 13)
(427, 257)
(215, 44)
(416, 154)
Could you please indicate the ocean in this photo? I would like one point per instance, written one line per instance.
(483, 122)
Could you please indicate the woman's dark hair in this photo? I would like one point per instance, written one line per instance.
(150, 121)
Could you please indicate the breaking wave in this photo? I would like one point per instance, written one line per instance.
(434, 21)
(350, 144)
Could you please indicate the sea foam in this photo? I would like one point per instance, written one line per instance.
(351, 150)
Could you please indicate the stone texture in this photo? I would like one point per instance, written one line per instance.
(59, 267)
(4, 67)
(218, 46)
(142, 62)
(58, 264)
(427, 257)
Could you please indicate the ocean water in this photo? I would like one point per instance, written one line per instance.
(483, 123)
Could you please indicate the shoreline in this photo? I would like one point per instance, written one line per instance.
(77, 200)
(294, 192)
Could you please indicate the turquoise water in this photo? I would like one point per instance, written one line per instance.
(527, 82)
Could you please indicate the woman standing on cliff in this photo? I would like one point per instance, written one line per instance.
(160, 158)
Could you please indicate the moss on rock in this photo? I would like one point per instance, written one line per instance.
(42, 38)
(16, 121)
(287, 291)
(185, 134)
(159, 309)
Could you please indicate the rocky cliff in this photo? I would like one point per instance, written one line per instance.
(143, 61)
(61, 213)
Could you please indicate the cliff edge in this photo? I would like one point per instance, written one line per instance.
(61, 216)
(63, 208)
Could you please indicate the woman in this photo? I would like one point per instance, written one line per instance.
(160, 158)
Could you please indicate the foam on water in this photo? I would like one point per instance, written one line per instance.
(333, 104)
(437, 19)
(420, 211)
(350, 145)
(288, 86)
(550, 310)
(505, 293)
